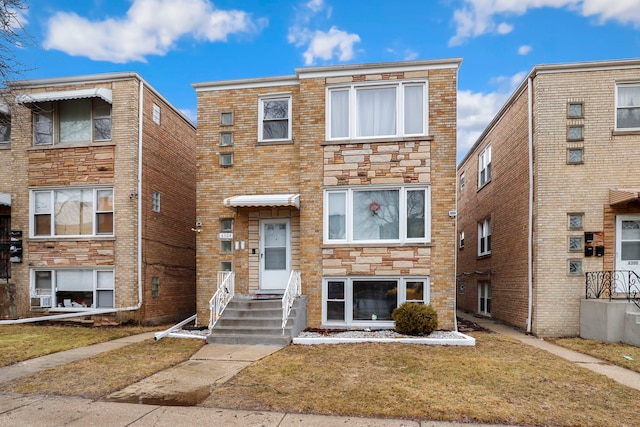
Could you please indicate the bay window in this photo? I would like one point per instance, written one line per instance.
(628, 107)
(400, 214)
(74, 288)
(352, 301)
(72, 212)
(381, 110)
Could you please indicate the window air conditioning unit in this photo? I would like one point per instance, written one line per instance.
(41, 301)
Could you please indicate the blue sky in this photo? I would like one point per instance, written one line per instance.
(173, 43)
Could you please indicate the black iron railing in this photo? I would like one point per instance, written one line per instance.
(613, 284)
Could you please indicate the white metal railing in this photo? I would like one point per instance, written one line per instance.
(219, 300)
(293, 290)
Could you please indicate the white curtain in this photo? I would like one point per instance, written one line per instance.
(413, 110)
(340, 113)
(74, 280)
(376, 111)
(376, 215)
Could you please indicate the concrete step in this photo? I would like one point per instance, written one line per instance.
(252, 321)
(249, 339)
(250, 330)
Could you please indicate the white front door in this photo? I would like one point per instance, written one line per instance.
(627, 244)
(275, 253)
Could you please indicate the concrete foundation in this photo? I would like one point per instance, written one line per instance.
(610, 321)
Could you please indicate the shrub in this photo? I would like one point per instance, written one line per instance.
(415, 319)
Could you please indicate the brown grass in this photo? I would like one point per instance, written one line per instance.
(23, 342)
(500, 381)
(108, 372)
(620, 354)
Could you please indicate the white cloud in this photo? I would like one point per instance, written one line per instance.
(325, 45)
(524, 49)
(477, 17)
(320, 44)
(476, 110)
(150, 27)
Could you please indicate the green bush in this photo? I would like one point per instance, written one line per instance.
(415, 319)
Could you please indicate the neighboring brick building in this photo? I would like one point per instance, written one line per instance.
(344, 173)
(549, 192)
(98, 183)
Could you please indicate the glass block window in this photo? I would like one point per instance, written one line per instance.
(575, 267)
(226, 139)
(575, 133)
(575, 243)
(226, 118)
(155, 287)
(575, 156)
(575, 110)
(155, 201)
(156, 114)
(576, 221)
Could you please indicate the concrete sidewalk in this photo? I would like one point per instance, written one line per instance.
(621, 375)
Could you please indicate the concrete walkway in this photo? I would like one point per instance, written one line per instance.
(190, 382)
(621, 375)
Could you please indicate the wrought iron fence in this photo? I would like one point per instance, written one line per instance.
(613, 284)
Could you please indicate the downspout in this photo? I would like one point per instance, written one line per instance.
(530, 219)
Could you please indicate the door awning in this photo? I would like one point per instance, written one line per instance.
(259, 200)
(619, 196)
(98, 92)
(5, 199)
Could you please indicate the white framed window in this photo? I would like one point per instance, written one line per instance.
(484, 166)
(156, 114)
(484, 237)
(155, 201)
(361, 301)
(461, 239)
(71, 121)
(628, 106)
(462, 181)
(72, 212)
(383, 214)
(386, 109)
(73, 289)
(274, 118)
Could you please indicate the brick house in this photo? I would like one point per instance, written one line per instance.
(343, 173)
(548, 193)
(97, 183)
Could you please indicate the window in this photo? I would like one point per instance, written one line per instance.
(226, 159)
(575, 110)
(575, 221)
(226, 119)
(461, 239)
(5, 129)
(72, 212)
(484, 238)
(156, 114)
(373, 215)
(75, 289)
(155, 201)
(575, 267)
(574, 133)
(360, 300)
(226, 266)
(484, 298)
(575, 243)
(275, 118)
(628, 107)
(462, 181)
(575, 156)
(383, 110)
(484, 166)
(155, 287)
(226, 139)
(78, 120)
(226, 235)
